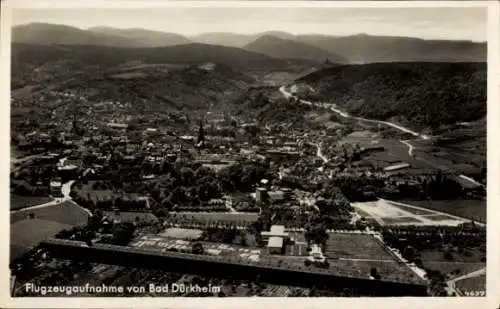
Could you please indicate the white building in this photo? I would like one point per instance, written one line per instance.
(276, 231)
(276, 238)
(275, 245)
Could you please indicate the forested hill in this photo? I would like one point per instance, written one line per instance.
(419, 94)
(106, 56)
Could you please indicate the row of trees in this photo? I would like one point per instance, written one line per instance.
(434, 240)
(183, 186)
(109, 203)
(435, 187)
(441, 187)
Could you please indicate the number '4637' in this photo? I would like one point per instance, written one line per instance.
(475, 293)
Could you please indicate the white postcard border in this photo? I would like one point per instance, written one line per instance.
(492, 300)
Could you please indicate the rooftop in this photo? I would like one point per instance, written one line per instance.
(68, 167)
(55, 184)
(278, 228)
(397, 166)
(118, 125)
(275, 242)
(276, 231)
(276, 195)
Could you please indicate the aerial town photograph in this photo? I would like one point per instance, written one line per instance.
(248, 152)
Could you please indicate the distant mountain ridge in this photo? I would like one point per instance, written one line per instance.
(47, 34)
(360, 48)
(282, 48)
(235, 39)
(108, 56)
(363, 48)
(145, 37)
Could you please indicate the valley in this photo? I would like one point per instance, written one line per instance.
(260, 166)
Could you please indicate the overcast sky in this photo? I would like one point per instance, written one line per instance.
(435, 23)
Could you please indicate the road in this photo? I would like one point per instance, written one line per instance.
(23, 159)
(320, 155)
(410, 147)
(51, 203)
(333, 108)
(16, 163)
(65, 190)
(344, 114)
(471, 180)
(451, 287)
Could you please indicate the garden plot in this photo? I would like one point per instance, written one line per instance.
(182, 233)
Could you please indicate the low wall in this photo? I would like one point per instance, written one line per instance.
(220, 267)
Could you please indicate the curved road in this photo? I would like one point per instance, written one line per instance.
(65, 190)
(320, 154)
(287, 94)
(333, 108)
(410, 147)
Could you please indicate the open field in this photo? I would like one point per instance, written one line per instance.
(64, 213)
(437, 217)
(277, 78)
(363, 213)
(450, 267)
(449, 160)
(423, 159)
(355, 246)
(464, 156)
(415, 211)
(474, 285)
(471, 209)
(387, 212)
(25, 91)
(129, 75)
(19, 202)
(474, 256)
(400, 220)
(388, 269)
(26, 234)
(395, 151)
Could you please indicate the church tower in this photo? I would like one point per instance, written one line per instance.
(201, 135)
